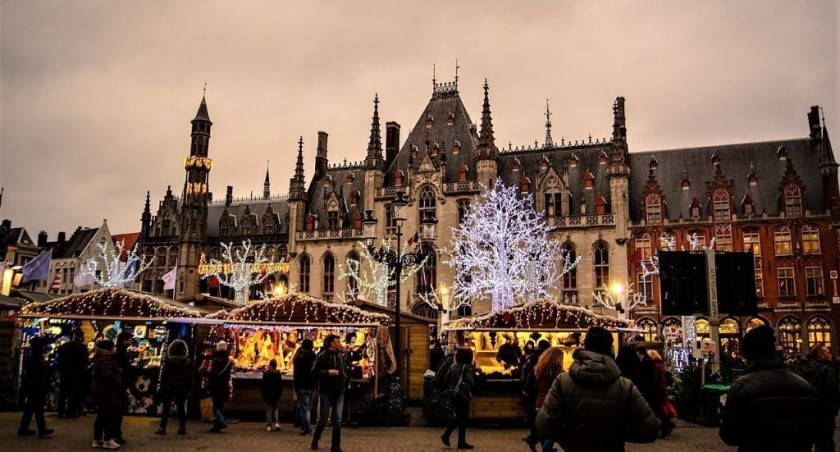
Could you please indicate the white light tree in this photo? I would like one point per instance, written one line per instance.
(106, 270)
(502, 251)
(235, 270)
(373, 278)
(623, 301)
(650, 266)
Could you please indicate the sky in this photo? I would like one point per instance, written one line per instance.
(96, 97)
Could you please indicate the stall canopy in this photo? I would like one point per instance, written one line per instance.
(300, 309)
(544, 314)
(111, 303)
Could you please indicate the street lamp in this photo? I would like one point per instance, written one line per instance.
(398, 261)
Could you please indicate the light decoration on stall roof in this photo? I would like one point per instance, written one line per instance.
(618, 299)
(106, 270)
(108, 302)
(541, 314)
(300, 308)
(236, 269)
(502, 251)
(373, 278)
(651, 266)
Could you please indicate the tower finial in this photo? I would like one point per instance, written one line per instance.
(456, 73)
(204, 93)
(485, 135)
(548, 141)
(374, 150)
(434, 79)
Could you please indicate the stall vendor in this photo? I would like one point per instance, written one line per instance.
(509, 352)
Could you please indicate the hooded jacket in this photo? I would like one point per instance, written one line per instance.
(592, 407)
(770, 409)
(823, 377)
(176, 376)
(106, 388)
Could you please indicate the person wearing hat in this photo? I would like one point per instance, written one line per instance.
(36, 383)
(106, 393)
(219, 385)
(769, 408)
(592, 407)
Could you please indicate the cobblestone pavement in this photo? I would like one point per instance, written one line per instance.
(76, 435)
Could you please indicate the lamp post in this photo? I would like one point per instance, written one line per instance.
(398, 262)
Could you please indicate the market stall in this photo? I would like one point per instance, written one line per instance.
(499, 338)
(274, 329)
(103, 314)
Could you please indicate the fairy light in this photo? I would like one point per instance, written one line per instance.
(107, 302)
(113, 273)
(618, 298)
(238, 267)
(541, 314)
(502, 251)
(373, 278)
(650, 266)
(302, 309)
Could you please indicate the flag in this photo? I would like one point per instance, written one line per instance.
(414, 239)
(56, 284)
(85, 275)
(38, 269)
(131, 272)
(213, 282)
(169, 279)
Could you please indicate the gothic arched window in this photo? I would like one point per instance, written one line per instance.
(782, 240)
(305, 267)
(602, 264)
(653, 209)
(720, 203)
(427, 202)
(329, 274)
(793, 200)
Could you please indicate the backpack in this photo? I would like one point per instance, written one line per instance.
(440, 382)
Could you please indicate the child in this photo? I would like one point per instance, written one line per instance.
(271, 390)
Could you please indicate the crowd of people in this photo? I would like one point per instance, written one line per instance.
(600, 402)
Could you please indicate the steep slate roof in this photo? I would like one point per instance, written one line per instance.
(75, 245)
(737, 161)
(319, 192)
(257, 207)
(443, 102)
(19, 236)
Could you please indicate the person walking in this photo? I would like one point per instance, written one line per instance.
(627, 359)
(73, 365)
(129, 376)
(660, 394)
(175, 381)
(219, 383)
(106, 392)
(36, 383)
(769, 408)
(549, 367)
(461, 380)
(305, 384)
(529, 393)
(819, 370)
(331, 370)
(646, 376)
(592, 407)
(271, 390)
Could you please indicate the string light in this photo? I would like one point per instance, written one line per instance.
(301, 309)
(540, 314)
(237, 269)
(373, 277)
(107, 302)
(113, 273)
(502, 251)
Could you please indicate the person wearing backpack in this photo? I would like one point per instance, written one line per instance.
(461, 380)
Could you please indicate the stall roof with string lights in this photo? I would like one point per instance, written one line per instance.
(302, 310)
(539, 315)
(110, 303)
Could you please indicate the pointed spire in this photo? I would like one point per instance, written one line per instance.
(147, 209)
(548, 141)
(456, 73)
(375, 142)
(299, 163)
(485, 134)
(266, 184)
(827, 154)
(202, 114)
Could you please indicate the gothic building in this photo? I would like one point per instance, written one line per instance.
(607, 205)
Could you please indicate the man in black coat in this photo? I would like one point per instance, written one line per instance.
(821, 373)
(769, 408)
(73, 365)
(305, 384)
(645, 378)
(129, 374)
(627, 359)
(331, 370)
(36, 383)
(219, 383)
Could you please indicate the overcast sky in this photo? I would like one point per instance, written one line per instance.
(97, 96)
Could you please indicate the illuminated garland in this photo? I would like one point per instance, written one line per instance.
(300, 308)
(108, 302)
(541, 314)
(113, 272)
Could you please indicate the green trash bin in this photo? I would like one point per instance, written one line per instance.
(714, 397)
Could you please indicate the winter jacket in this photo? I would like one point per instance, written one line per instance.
(592, 407)
(176, 376)
(36, 376)
(73, 358)
(528, 379)
(660, 386)
(439, 382)
(455, 371)
(628, 361)
(219, 381)
(271, 387)
(305, 379)
(329, 384)
(106, 388)
(645, 380)
(770, 409)
(823, 377)
(543, 385)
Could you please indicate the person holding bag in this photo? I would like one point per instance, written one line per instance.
(461, 379)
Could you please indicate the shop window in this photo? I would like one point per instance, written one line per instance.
(790, 335)
(753, 323)
(793, 200)
(787, 283)
(781, 239)
(810, 240)
(650, 330)
(304, 273)
(814, 281)
(819, 331)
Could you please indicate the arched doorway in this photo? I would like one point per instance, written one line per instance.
(790, 335)
(730, 336)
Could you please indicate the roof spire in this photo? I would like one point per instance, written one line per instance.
(548, 141)
(266, 184)
(485, 135)
(827, 157)
(456, 74)
(299, 163)
(202, 114)
(296, 185)
(375, 142)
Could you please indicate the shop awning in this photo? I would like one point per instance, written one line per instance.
(539, 315)
(109, 303)
(300, 309)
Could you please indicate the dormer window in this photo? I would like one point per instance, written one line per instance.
(398, 178)
(463, 172)
(715, 160)
(720, 202)
(653, 209)
(694, 209)
(516, 165)
(354, 197)
(588, 180)
(430, 121)
(357, 220)
(450, 120)
(349, 179)
(781, 153)
(544, 164)
(327, 181)
(456, 148)
(413, 152)
(653, 164)
(600, 205)
(573, 161)
(602, 159)
(309, 222)
(524, 185)
(793, 200)
(435, 149)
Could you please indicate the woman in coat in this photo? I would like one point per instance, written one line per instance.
(548, 368)
(461, 380)
(106, 393)
(660, 395)
(175, 381)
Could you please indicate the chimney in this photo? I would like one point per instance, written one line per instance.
(229, 195)
(42, 239)
(62, 237)
(321, 156)
(392, 141)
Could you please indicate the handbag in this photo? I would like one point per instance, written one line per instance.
(459, 393)
(669, 409)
